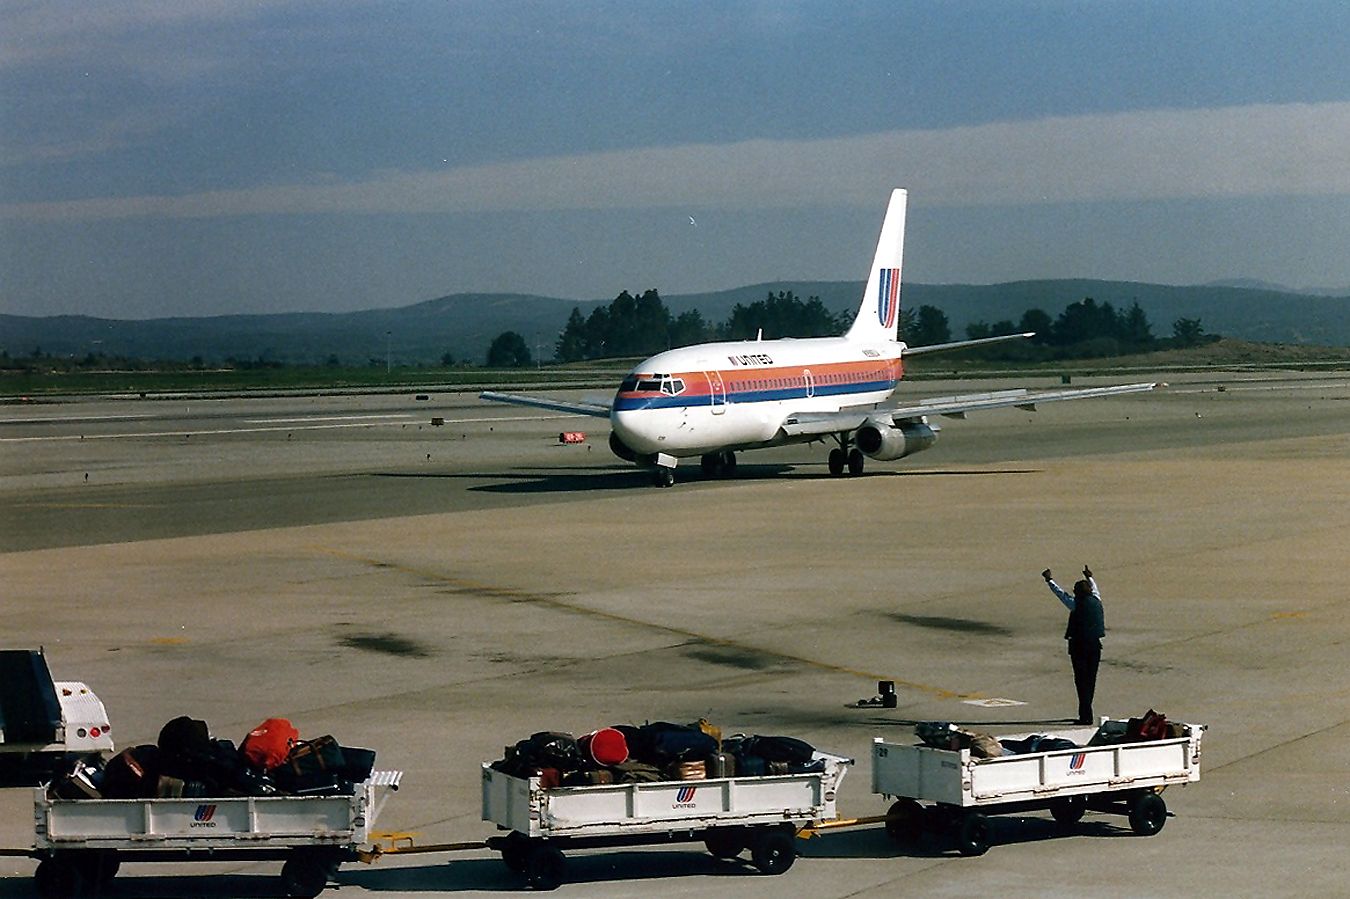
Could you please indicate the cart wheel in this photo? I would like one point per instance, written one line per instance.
(545, 867)
(773, 851)
(1069, 811)
(724, 842)
(904, 821)
(57, 878)
(1148, 814)
(515, 852)
(304, 875)
(973, 838)
(99, 866)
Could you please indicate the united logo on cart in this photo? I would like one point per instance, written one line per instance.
(1076, 763)
(685, 797)
(203, 815)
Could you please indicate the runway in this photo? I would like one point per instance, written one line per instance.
(436, 592)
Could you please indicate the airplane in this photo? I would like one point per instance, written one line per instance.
(713, 400)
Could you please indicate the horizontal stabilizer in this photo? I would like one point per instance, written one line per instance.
(597, 410)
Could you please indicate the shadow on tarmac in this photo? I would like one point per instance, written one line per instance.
(984, 722)
(572, 478)
(1004, 830)
(458, 874)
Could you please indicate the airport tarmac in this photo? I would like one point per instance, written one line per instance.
(436, 592)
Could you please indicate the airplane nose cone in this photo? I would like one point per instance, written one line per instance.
(634, 430)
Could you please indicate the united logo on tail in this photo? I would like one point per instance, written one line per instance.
(888, 296)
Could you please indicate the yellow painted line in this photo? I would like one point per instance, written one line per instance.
(169, 641)
(1280, 616)
(553, 602)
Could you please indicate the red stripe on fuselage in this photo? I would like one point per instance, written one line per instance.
(783, 377)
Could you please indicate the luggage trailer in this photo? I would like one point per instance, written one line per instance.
(1120, 778)
(81, 843)
(728, 814)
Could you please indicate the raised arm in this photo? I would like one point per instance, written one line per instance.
(1064, 596)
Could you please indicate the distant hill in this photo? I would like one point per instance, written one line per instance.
(464, 324)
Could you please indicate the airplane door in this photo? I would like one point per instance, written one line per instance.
(717, 391)
(810, 382)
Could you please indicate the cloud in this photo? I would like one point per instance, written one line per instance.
(1263, 150)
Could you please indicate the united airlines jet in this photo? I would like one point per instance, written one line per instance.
(713, 400)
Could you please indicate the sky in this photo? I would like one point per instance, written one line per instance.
(209, 157)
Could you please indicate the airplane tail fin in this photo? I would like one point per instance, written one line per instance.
(879, 315)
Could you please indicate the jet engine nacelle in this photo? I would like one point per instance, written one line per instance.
(883, 441)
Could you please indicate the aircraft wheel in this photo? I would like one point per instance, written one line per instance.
(729, 463)
(855, 461)
(663, 476)
(710, 463)
(836, 462)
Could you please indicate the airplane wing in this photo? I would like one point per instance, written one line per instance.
(950, 406)
(597, 410)
(962, 344)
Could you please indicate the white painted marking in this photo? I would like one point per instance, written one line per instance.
(262, 430)
(993, 703)
(316, 418)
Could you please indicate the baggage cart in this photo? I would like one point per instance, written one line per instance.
(80, 843)
(45, 722)
(1120, 778)
(728, 814)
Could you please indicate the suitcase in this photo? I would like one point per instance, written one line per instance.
(313, 765)
(78, 784)
(132, 773)
(721, 764)
(270, 743)
(359, 763)
(185, 737)
(692, 771)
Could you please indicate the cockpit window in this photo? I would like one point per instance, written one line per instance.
(654, 383)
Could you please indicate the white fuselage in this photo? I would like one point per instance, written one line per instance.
(731, 396)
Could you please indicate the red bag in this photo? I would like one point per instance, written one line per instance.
(268, 744)
(1152, 726)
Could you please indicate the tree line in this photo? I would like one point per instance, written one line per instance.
(643, 326)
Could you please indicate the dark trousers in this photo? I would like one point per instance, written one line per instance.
(1086, 655)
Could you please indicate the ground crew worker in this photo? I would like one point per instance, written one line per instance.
(1087, 626)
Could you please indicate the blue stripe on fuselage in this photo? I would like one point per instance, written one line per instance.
(629, 403)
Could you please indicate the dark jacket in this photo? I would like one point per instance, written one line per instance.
(1087, 620)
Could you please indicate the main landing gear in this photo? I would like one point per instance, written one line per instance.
(719, 465)
(845, 456)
